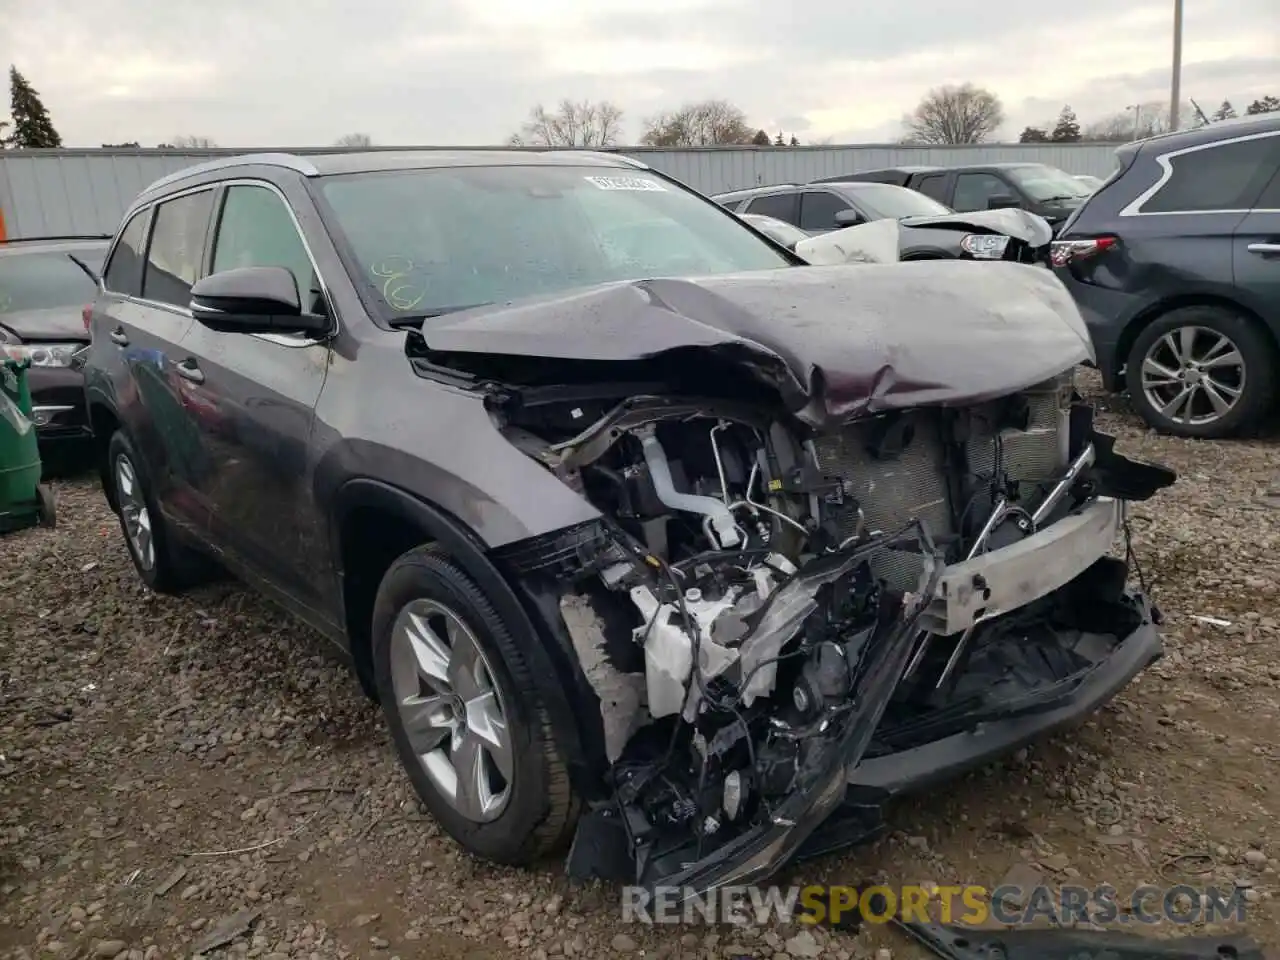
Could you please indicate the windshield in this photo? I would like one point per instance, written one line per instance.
(429, 241)
(46, 280)
(1041, 182)
(884, 201)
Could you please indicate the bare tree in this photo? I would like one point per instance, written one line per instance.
(191, 143)
(704, 124)
(354, 140)
(572, 124)
(1136, 123)
(963, 114)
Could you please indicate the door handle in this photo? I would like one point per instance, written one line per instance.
(188, 370)
(1265, 249)
(118, 337)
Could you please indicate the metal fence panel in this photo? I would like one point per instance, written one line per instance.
(79, 192)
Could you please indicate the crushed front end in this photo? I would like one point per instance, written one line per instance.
(762, 606)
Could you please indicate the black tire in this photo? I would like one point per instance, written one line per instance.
(175, 566)
(1255, 349)
(542, 809)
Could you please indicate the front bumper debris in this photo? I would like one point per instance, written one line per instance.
(994, 583)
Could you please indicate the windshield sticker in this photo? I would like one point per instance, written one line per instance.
(643, 184)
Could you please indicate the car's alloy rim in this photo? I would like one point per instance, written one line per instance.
(451, 709)
(1193, 375)
(137, 518)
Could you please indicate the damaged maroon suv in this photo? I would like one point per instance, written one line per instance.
(645, 534)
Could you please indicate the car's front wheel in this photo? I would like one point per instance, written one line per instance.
(1202, 371)
(465, 718)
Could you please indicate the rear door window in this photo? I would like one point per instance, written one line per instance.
(818, 209)
(174, 258)
(1225, 177)
(780, 206)
(124, 270)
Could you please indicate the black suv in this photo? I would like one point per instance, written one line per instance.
(1175, 264)
(45, 287)
(642, 531)
(1035, 187)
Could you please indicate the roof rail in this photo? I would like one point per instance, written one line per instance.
(287, 160)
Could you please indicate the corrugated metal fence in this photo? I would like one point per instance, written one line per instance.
(78, 192)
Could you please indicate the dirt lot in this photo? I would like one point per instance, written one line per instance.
(166, 763)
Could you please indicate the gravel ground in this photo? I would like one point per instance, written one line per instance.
(175, 772)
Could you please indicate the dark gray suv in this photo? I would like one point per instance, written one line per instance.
(1175, 264)
(642, 532)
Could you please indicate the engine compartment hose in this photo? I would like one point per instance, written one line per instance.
(718, 515)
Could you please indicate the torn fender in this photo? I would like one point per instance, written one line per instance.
(833, 342)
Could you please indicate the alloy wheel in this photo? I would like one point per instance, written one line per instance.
(133, 509)
(1193, 375)
(451, 709)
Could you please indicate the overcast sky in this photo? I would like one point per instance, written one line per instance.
(304, 72)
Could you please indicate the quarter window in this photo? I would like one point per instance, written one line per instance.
(934, 186)
(177, 247)
(124, 271)
(256, 230)
(1228, 176)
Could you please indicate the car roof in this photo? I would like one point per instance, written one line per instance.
(376, 161)
(1212, 132)
(23, 245)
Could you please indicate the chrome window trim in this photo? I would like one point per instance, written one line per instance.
(282, 340)
(1165, 160)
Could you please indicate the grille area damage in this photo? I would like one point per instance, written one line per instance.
(799, 599)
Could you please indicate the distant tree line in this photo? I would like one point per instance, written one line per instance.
(956, 114)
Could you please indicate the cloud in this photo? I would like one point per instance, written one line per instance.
(449, 72)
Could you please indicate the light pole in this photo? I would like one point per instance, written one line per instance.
(1175, 87)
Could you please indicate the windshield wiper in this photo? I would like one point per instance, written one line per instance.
(413, 321)
(88, 270)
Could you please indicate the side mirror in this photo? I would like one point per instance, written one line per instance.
(849, 218)
(1003, 201)
(253, 300)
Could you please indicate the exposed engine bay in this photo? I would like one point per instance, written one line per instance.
(764, 604)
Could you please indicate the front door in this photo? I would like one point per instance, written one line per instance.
(1256, 252)
(256, 397)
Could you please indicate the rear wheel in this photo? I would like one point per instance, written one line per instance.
(1202, 371)
(163, 564)
(464, 715)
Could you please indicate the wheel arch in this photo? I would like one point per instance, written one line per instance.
(1149, 315)
(103, 422)
(373, 523)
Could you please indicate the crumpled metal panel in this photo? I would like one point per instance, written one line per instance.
(835, 342)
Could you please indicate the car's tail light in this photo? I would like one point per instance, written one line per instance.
(1062, 252)
(86, 314)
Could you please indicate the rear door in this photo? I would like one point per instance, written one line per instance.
(780, 206)
(137, 325)
(1256, 248)
(933, 185)
(256, 396)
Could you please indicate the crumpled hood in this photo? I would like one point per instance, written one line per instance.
(833, 341)
(37, 326)
(1022, 225)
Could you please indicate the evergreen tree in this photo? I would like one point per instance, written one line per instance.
(1267, 104)
(1068, 128)
(761, 139)
(779, 142)
(795, 141)
(1033, 135)
(1225, 112)
(32, 127)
